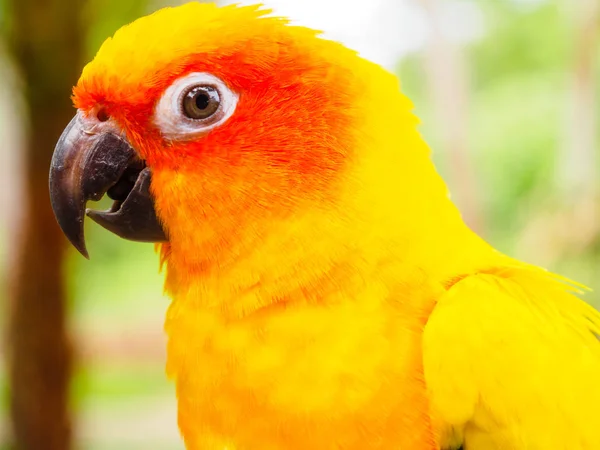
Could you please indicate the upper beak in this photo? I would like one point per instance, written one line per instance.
(92, 158)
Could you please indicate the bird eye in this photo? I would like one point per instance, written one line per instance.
(193, 105)
(201, 102)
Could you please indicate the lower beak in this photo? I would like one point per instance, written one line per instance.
(90, 160)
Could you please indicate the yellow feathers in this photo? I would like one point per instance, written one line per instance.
(511, 362)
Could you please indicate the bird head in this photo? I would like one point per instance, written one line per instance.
(205, 124)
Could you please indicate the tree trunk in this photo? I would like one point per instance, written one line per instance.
(45, 39)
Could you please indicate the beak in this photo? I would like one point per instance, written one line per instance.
(92, 158)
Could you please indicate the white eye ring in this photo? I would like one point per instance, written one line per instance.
(169, 115)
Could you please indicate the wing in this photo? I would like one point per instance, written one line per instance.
(512, 361)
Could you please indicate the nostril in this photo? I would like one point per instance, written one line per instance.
(102, 115)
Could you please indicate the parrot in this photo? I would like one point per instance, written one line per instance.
(325, 291)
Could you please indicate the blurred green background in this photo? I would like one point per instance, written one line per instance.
(511, 113)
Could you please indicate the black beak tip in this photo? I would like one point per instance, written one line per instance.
(73, 230)
(83, 252)
(82, 249)
(75, 237)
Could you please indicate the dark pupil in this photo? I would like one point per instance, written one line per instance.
(202, 101)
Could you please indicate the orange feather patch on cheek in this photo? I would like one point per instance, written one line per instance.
(287, 142)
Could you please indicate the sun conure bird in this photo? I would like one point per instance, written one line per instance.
(325, 292)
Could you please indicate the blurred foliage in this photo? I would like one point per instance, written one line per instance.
(514, 108)
(104, 17)
(519, 78)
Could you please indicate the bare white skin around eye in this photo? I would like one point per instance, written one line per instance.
(169, 116)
